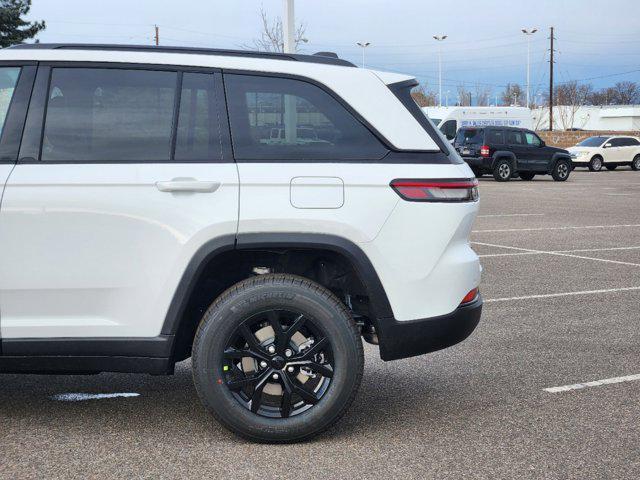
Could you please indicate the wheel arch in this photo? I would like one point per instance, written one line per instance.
(221, 255)
(556, 157)
(504, 154)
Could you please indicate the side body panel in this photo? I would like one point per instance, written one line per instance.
(98, 250)
(420, 251)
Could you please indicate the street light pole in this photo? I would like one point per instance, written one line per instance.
(439, 39)
(528, 33)
(363, 45)
(289, 27)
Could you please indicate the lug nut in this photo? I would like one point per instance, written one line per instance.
(288, 352)
(263, 364)
(275, 376)
(271, 349)
(290, 369)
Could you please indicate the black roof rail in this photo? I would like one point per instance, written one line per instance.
(328, 58)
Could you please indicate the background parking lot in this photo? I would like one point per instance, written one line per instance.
(561, 282)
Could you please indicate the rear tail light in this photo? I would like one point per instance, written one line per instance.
(484, 151)
(441, 190)
(470, 297)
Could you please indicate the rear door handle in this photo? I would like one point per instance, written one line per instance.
(187, 185)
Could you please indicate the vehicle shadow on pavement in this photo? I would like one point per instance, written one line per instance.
(391, 394)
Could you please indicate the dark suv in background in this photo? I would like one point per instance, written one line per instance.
(506, 151)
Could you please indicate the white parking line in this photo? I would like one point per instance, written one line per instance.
(618, 262)
(80, 397)
(553, 228)
(595, 383)
(609, 249)
(564, 294)
(513, 215)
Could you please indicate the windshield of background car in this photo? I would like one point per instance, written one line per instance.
(469, 136)
(592, 142)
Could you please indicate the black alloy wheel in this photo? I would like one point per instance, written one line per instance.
(278, 363)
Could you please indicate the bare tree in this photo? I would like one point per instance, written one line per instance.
(512, 95)
(626, 93)
(482, 95)
(570, 96)
(272, 35)
(424, 97)
(464, 96)
(622, 93)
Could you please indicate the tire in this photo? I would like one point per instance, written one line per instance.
(248, 314)
(561, 170)
(502, 171)
(595, 164)
(635, 163)
(527, 176)
(611, 167)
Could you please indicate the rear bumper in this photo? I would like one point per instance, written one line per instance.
(402, 339)
(478, 162)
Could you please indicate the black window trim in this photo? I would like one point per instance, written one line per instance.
(29, 146)
(393, 156)
(15, 119)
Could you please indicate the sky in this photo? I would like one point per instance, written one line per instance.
(597, 42)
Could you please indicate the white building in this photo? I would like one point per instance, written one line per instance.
(609, 117)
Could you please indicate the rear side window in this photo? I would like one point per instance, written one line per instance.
(495, 137)
(96, 114)
(514, 138)
(470, 136)
(284, 119)
(8, 80)
(629, 142)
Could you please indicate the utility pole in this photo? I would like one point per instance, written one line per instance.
(157, 36)
(439, 39)
(289, 27)
(551, 38)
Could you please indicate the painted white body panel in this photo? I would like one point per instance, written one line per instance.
(420, 250)
(360, 88)
(5, 170)
(98, 250)
(609, 155)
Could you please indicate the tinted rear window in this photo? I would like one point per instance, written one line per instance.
(468, 136)
(495, 137)
(285, 119)
(98, 114)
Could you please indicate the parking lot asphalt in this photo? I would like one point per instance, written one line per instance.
(561, 282)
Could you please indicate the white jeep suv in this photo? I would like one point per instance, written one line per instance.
(146, 218)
